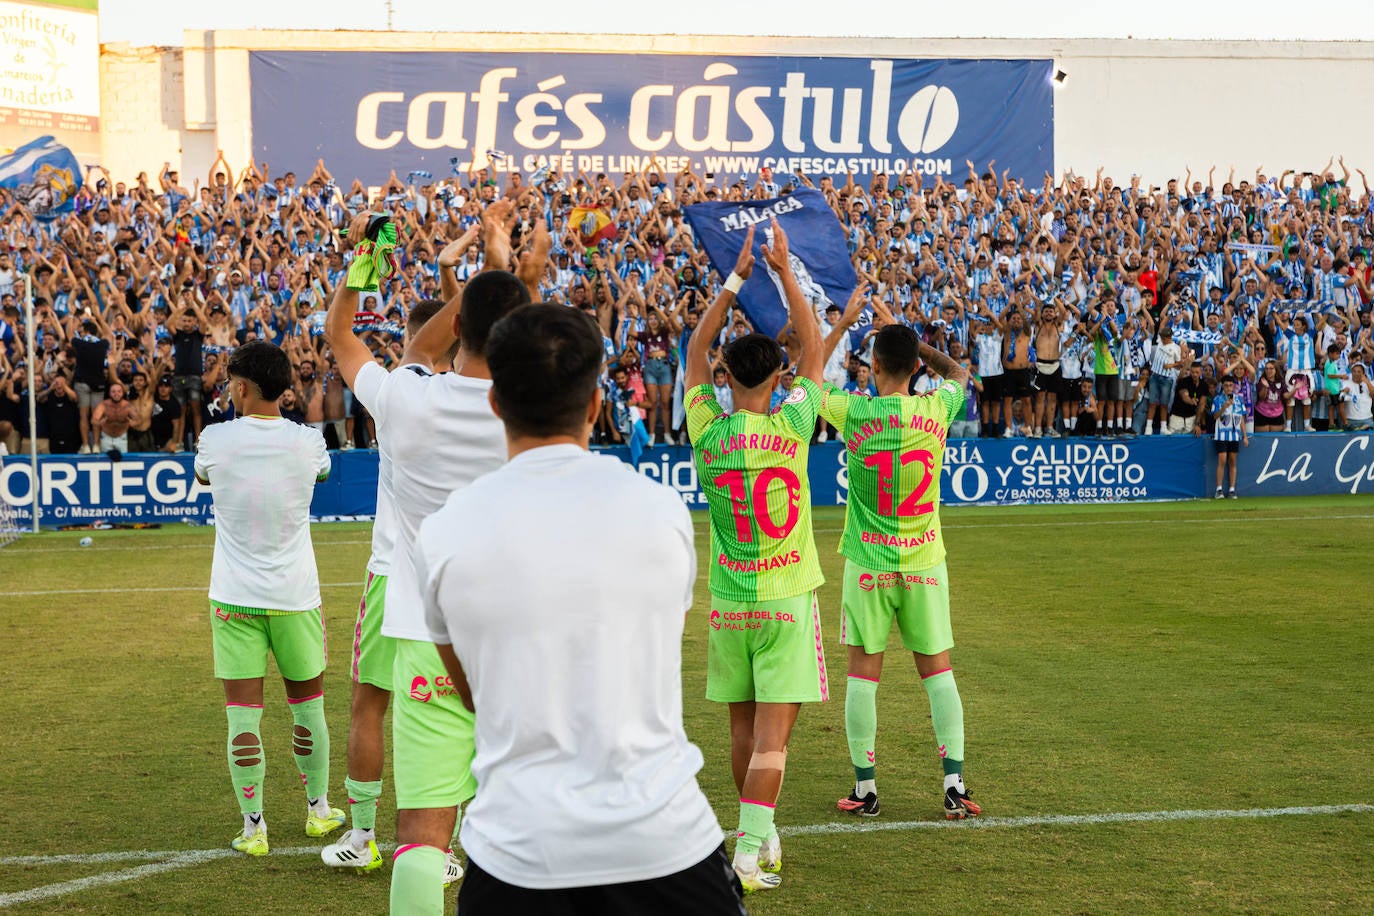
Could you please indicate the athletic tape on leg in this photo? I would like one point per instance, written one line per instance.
(768, 760)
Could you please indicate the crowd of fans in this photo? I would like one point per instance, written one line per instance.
(1082, 306)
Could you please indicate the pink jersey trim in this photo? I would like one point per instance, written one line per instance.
(860, 677)
(245, 705)
(404, 849)
(294, 700)
(941, 671)
(820, 647)
(358, 627)
(750, 801)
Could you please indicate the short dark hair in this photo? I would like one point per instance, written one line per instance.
(752, 358)
(487, 298)
(544, 362)
(265, 365)
(420, 315)
(896, 349)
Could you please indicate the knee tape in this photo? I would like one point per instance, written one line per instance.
(769, 760)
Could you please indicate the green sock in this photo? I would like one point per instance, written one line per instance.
(247, 767)
(362, 800)
(417, 880)
(755, 824)
(947, 715)
(311, 744)
(861, 724)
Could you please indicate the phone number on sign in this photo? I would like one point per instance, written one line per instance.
(1064, 494)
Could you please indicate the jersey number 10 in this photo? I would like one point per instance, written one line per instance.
(733, 481)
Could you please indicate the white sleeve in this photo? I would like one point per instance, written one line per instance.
(367, 386)
(204, 459)
(428, 580)
(320, 455)
(682, 523)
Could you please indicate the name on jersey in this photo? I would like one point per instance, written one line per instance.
(894, 421)
(760, 565)
(897, 540)
(779, 445)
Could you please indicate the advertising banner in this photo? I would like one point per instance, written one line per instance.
(86, 490)
(1300, 464)
(50, 73)
(369, 112)
(91, 490)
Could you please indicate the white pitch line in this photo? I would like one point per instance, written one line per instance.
(175, 861)
(179, 860)
(1227, 519)
(170, 588)
(1072, 820)
(97, 548)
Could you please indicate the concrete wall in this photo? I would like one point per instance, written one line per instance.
(1147, 107)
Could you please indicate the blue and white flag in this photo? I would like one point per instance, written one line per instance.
(815, 241)
(44, 176)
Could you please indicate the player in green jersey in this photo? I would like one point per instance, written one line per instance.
(893, 548)
(764, 651)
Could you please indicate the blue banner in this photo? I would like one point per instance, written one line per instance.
(44, 176)
(1301, 464)
(90, 490)
(816, 248)
(368, 112)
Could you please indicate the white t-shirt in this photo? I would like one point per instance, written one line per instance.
(1358, 401)
(441, 435)
(262, 474)
(569, 629)
(837, 365)
(384, 522)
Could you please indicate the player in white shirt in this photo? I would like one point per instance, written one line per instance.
(836, 370)
(565, 636)
(441, 435)
(264, 588)
(374, 656)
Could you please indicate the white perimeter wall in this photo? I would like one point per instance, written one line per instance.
(1147, 107)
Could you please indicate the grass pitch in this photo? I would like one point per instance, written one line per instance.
(1112, 659)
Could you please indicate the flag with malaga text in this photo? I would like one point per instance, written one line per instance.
(816, 244)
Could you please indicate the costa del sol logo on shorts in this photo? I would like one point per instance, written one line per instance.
(419, 689)
(866, 582)
(715, 620)
(222, 614)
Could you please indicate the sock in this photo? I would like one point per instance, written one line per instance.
(755, 823)
(252, 823)
(417, 880)
(310, 741)
(861, 727)
(947, 715)
(247, 767)
(362, 803)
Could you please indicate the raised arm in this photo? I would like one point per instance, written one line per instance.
(698, 368)
(852, 310)
(943, 365)
(799, 311)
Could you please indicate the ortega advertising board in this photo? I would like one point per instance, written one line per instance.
(369, 112)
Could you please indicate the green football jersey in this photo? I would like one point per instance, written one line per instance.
(752, 469)
(895, 447)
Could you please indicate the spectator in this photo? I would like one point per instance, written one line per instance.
(1358, 395)
(1273, 269)
(110, 419)
(1272, 399)
(1188, 396)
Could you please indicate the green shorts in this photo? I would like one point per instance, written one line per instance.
(431, 732)
(918, 600)
(374, 655)
(242, 637)
(766, 651)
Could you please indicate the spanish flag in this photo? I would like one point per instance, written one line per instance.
(594, 224)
